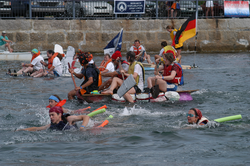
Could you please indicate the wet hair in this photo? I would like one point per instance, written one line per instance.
(60, 56)
(164, 43)
(137, 40)
(58, 97)
(131, 54)
(51, 52)
(169, 56)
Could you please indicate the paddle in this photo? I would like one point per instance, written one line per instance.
(127, 84)
(72, 76)
(155, 89)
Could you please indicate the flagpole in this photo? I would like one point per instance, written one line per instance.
(196, 33)
(118, 39)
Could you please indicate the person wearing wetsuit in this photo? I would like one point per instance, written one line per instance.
(59, 121)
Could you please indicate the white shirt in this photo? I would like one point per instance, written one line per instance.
(36, 63)
(58, 65)
(138, 70)
(161, 52)
(110, 67)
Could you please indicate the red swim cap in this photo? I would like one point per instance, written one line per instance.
(56, 109)
(198, 112)
(116, 55)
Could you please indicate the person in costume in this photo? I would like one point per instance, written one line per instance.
(137, 48)
(116, 58)
(138, 72)
(35, 66)
(179, 46)
(55, 100)
(106, 65)
(91, 74)
(61, 121)
(194, 116)
(171, 77)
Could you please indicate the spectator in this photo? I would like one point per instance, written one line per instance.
(5, 42)
(209, 6)
(168, 7)
(174, 8)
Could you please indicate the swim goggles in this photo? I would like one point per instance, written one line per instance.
(190, 115)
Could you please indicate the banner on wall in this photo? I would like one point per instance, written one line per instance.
(236, 8)
(129, 6)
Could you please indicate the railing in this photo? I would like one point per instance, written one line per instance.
(103, 9)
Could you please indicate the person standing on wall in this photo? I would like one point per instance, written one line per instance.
(209, 6)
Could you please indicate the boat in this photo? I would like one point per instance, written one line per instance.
(19, 56)
(149, 67)
(184, 95)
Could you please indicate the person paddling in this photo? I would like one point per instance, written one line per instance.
(91, 74)
(172, 74)
(194, 116)
(116, 58)
(138, 72)
(60, 121)
(35, 65)
(54, 64)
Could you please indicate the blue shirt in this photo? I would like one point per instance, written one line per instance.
(1, 40)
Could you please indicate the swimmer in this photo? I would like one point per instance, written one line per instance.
(55, 100)
(60, 121)
(194, 116)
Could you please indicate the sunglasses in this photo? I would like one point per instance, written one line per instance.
(190, 115)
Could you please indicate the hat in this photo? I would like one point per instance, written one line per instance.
(56, 109)
(4, 32)
(85, 58)
(116, 55)
(35, 51)
(197, 112)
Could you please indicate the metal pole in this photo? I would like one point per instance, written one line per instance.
(156, 9)
(196, 28)
(30, 13)
(74, 9)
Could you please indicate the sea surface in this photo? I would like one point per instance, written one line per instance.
(140, 133)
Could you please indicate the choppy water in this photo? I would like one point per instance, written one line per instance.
(139, 134)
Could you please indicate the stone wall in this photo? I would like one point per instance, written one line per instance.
(214, 35)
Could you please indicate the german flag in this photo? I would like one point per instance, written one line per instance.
(186, 31)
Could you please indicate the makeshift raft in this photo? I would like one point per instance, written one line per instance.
(184, 95)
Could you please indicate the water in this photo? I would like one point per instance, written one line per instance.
(139, 134)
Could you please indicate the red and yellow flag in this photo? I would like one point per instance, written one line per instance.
(185, 32)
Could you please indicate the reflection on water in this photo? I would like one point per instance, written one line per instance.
(140, 133)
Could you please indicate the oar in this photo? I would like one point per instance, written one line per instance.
(120, 68)
(72, 76)
(155, 89)
(228, 118)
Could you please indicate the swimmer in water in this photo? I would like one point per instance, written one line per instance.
(194, 116)
(55, 100)
(61, 121)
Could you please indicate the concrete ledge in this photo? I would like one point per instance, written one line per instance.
(214, 35)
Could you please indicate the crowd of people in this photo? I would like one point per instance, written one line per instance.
(168, 75)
